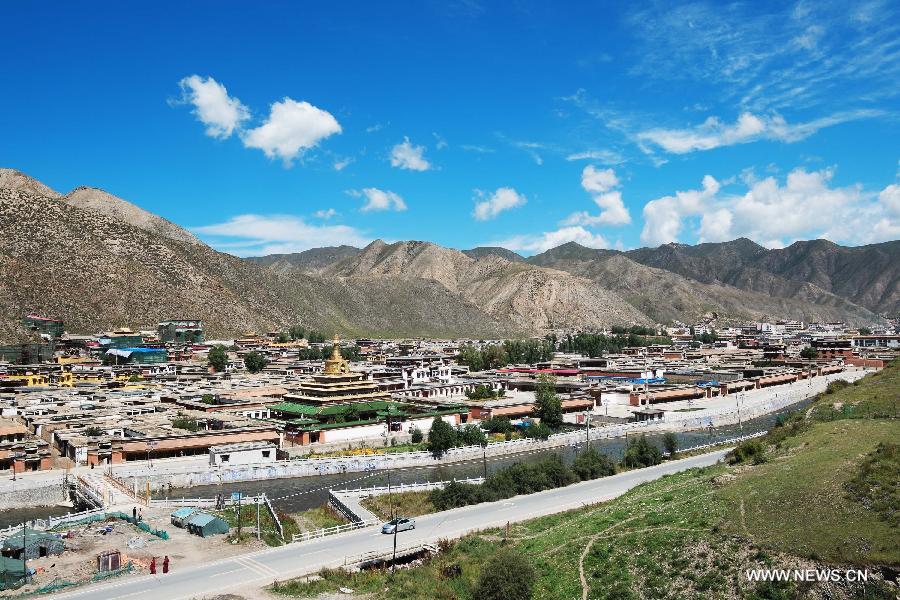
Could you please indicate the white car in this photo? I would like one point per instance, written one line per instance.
(400, 524)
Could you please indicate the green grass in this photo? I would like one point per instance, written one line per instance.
(320, 517)
(268, 530)
(405, 504)
(693, 534)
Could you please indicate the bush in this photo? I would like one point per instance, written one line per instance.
(507, 574)
(471, 435)
(641, 453)
(186, 423)
(670, 443)
(876, 485)
(537, 430)
(417, 435)
(836, 386)
(591, 464)
(497, 425)
(747, 451)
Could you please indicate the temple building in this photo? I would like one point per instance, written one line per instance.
(339, 405)
(337, 384)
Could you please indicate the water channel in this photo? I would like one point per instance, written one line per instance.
(301, 493)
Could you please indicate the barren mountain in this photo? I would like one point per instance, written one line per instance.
(105, 203)
(96, 272)
(308, 261)
(16, 180)
(532, 298)
(482, 251)
(812, 271)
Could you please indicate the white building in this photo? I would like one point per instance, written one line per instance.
(245, 453)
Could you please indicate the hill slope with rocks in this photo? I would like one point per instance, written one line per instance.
(96, 272)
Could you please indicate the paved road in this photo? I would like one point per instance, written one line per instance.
(293, 560)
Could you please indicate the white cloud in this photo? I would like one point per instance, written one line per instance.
(598, 180)
(551, 239)
(325, 213)
(378, 200)
(405, 155)
(600, 183)
(608, 157)
(439, 142)
(662, 217)
(213, 107)
(291, 129)
(258, 235)
(713, 133)
(492, 205)
(341, 163)
(805, 206)
(478, 149)
(890, 198)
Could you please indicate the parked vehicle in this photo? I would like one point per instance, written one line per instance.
(400, 524)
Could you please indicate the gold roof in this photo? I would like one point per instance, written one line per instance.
(336, 365)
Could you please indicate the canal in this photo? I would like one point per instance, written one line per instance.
(301, 493)
(298, 494)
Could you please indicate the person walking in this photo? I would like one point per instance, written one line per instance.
(134, 513)
(166, 564)
(153, 566)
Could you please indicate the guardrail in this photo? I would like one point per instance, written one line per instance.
(407, 487)
(344, 510)
(206, 502)
(275, 518)
(308, 535)
(383, 555)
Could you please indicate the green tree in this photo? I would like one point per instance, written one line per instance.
(471, 435)
(591, 464)
(255, 362)
(865, 331)
(641, 453)
(507, 574)
(809, 353)
(670, 443)
(416, 435)
(497, 425)
(296, 332)
(538, 431)
(218, 358)
(547, 405)
(441, 437)
(315, 337)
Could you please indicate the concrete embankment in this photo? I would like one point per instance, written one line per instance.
(717, 412)
(33, 489)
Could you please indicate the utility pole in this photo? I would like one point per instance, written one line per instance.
(390, 497)
(239, 514)
(394, 556)
(24, 551)
(484, 459)
(258, 535)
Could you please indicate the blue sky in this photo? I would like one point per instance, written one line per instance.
(275, 127)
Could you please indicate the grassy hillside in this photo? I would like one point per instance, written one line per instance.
(817, 493)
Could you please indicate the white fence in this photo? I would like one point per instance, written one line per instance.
(405, 487)
(206, 502)
(308, 535)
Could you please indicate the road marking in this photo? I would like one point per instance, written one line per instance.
(225, 573)
(256, 566)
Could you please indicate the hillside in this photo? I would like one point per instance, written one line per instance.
(102, 202)
(665, 295)
(531, 298)
(308, 261)
(482, 251)
(819, 493)
(96, 272)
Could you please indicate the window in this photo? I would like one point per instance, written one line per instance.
(224, 458)
(266, 453)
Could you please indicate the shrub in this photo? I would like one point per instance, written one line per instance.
(417, 435)
(547, 405)
(591, 464)
(218, 358)
(471, 435)
(186, 423)
(747, 451)
(507, 574)
(670, 443)
(876, 485)
(641, 453)
(497, 425)
(836, 386)
(537, 430)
